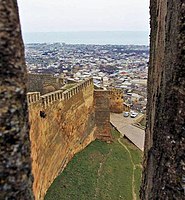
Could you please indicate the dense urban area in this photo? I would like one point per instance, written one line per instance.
(112, 66)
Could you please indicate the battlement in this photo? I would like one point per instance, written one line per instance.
(51, 97)
(77, 88)
(33, 97)
(59, 95)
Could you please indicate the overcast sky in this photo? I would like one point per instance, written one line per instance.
(84, 15)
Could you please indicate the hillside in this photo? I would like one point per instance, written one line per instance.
(101, 171)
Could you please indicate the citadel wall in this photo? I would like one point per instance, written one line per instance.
(44, 83)
(116, 101)
(164, 164)
(102, 114)
(61, 124)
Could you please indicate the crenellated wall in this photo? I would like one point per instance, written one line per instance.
(59, 95)
(61, 124)
(33, 97)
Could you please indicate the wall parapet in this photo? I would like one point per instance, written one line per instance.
(77, 88)
(51, 97)
(33, 97)
(59, 95)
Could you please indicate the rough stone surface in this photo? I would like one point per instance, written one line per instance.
(116, 101)
(44, 83)
(164, 164)
(102, 114)
(57, 133)
(15, 162)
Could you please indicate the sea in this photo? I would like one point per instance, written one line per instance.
(89, 37)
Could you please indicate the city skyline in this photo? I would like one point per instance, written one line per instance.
(83, 15)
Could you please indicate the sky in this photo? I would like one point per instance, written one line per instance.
(84, 15)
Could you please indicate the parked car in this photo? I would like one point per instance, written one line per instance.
(126, 114)
(133, 114)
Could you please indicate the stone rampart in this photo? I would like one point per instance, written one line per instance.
(52, 97)
(44, 83)
(59, 95)
(33, 97)
(116, 100)
(61, 124)
(102, 114)
(77, 88)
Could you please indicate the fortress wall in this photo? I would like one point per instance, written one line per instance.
(33, 97)
(116, 101)
(64, 128)
(40, 82)
(102, 114)
(77, 88)
(164, 163)
(51, 98)
(59, 95)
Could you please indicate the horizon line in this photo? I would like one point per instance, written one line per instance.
(85, 31)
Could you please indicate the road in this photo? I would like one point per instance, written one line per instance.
(125, 127)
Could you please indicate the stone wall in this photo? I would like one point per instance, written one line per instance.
(33, 97)
(61, 124)
(164, 164)
(116, 101)
(44, 83)
(102, 114)
(15, 161)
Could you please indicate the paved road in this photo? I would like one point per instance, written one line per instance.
(125, 127)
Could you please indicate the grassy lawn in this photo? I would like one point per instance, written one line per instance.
(100, 172)
(137, 159)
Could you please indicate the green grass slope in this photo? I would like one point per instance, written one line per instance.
(100, 172)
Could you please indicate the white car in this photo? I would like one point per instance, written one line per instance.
(126, 114)
(133, 114)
